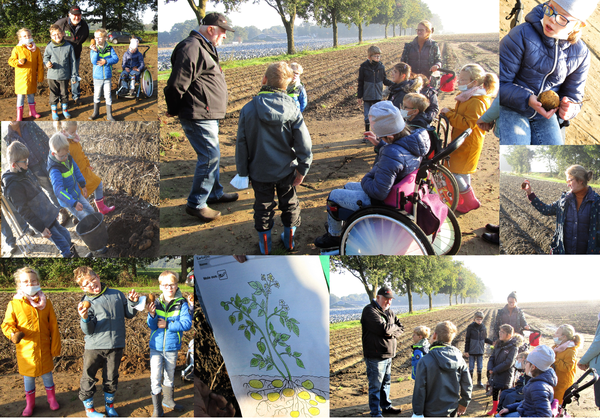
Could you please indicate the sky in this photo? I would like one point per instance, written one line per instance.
(536, 278)
(458, 16)
(536, 165)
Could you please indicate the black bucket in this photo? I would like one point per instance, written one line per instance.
(92, 231)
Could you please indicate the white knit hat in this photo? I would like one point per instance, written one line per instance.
(385, 119)
(579, 9)
(133, 44)
(542, 357)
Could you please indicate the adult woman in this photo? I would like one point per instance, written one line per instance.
(577, 214)
(566, 342)
(423, 54)
(591, 359)
(512, 315)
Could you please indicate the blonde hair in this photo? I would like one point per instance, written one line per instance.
(373, 50)
(417, 100)
(575, 36)
(446, 331)
(569, 332)
(168, 275)
(579, 173)
(488, 80)
(102, 31)
(24, 30)
(17, 151)
(422, 331)
(64, 125)
(523, 354)
(55, 28)
(58, 142)
(296, 68)
(427, 25)
(279, 75)
(82, 273)
(25, 270)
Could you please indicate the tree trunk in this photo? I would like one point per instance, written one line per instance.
(360, 29)
(393, 30)
(450, 299)
(184, 267)
(386, 30)
(430, 302)
(334, 26)
(199, 9)
(456, 299)
(134, 267)
(409, 293)
(289, 30)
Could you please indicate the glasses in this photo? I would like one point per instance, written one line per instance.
(560, 19)
(169, 285)
(63, 157)
(420, 30)
(26, 161)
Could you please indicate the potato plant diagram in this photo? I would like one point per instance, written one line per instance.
(268, 325)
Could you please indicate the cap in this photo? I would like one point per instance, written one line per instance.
(579, 9)
(217, 19)
(75, 10)
(386, 292)
(133, 44)
(542, 357)
(385, 119)
(512, 295)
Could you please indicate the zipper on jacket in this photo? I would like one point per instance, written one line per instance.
(551, 71)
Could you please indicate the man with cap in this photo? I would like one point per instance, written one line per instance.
(76, 32)
(510, 314)
(196, 92)
(380, 329)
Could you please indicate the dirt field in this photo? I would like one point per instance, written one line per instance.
(133, 397)
(339, 154)
(583, 129)
(123, 109)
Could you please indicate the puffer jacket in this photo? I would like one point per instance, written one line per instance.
(178, 318)
(421, 61)
(476, 338)
(419, 349)
(65, 177)
(399, 90)
(395, 161)
(62, 58)
(538, 397)
(380, 329)
(272, 138)
(297, 92)
(532, 63)
(432, 111)
(92, 180)
(592, 355)
(103, 72)
(561, 210)
(565, 366)
(41, 342)
(371, 78)
(131, 60)
(502, 362)
(27, 75)
(516, 319)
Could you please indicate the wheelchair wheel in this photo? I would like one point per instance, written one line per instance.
(147, 85)
(383, 231)
(445, 185)
(448, 239)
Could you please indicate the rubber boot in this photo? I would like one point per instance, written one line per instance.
(96, 112)
(168, 398)
(103, 209)
(367, 127)
(30, 399)
(157, 403)
(90, 412)
(19, 113)
(469, 201)
(264, 242)
(109, 399)
(50, 393)
(287, 237)
(32, 111)
(479, 384)
(66, 113)
(494, 408)
(109, 116)
(54, 114)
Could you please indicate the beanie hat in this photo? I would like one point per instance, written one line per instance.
(133, 44)
(479, 314)
(512, 295)
(579, 9)
(385, 119)
(542, 357)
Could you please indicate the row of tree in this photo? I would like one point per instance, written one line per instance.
(556, 158)
(424, 275)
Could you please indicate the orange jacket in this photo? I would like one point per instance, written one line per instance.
(565, 367)
(41, 341)
(27, 75)
(91, 179)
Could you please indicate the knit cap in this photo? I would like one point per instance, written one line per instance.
(579, 9)
(385, 119)
(542, 357)
(512, 295)
(133, 44)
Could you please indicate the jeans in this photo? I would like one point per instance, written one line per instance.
(94, 359)
(366, 107)
(61, 239)
(98, 193)
(516, 129)
(479, 359)
(87, 208)
(379, 374)
(162, 369)
(99, 86)
(264, 203)
(7, 231)
(510, 415)
(203, 135)
(129, 77)
(29, 382)
(464, 181)
(346, 198)
(21, 99)
(75, 86)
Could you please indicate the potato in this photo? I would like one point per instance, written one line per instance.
(16, 338)
(134, 239)
(86, 304)
(524, 184)
(151, 298)
(145, 245)
(36, 299)
(549, 100)
(148, 234)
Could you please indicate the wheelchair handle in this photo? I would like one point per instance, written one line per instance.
(452, 147)
(573, 391)
(147, 48)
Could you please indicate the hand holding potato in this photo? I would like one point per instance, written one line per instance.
(152, 309)
(133, 296)
(190, 300)
(82, 309)
(161, 323)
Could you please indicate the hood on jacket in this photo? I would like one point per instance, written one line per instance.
(548, 376)
(9, 177)
(271, 108)
(416, 143)
(448, 357)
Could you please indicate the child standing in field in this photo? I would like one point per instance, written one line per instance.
(274, 149)
(103, 57)
(93, 183)
(500, 365)
(420, 347)
(371, 78)
(103, 311)
(26, 58)
(296, 89)
(168, 317)
(30, 323)
(475, 341)
(478, 88)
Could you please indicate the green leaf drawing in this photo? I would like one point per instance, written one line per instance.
(261, 312)
(297, 354)
(299, 363)
(284, 337)
(261, 347)
(247, 334)
(254, 362)
(295, 330)
(232, 319)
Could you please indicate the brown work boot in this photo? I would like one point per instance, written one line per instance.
(206, 214)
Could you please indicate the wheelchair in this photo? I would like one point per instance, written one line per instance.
(144, 85)
(573, 393)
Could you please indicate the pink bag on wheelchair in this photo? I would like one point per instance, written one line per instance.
(431, 212)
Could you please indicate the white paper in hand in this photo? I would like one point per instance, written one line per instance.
(141, 303)
(240, 182)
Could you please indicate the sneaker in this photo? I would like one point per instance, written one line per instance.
(327, 240)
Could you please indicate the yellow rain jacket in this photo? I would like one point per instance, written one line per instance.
(27, 75)
(91, 179)
(565, 367)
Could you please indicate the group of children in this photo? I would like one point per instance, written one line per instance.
(59, 60)
(30, 323)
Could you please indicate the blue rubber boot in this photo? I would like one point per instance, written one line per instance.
(109, 400)
(264, 242)
(287, 237)
(66, 113)
(54, 114)
(90, 412)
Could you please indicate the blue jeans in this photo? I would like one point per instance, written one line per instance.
(61, 239)
(366, 107)
(510, 415)
(379, 374)
(162, 369)
(75, 86)
(99, 192)
(126, 78)
(29, 382)
(346, 198)
(87, 208)
(21, 99)
(464, 181)
(203, 135)
(516, 129)
(479, 359)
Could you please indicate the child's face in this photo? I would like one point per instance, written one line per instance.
(397, 77)
(478, 320)
(22, 164)
(416, 337)
(376, 58)
(464, 79)
(91, 285)
(56, 36)
(561, 24)
(100, 39)
(61, 155)
(296, 76)
(28, 279)
(168, 287)
(410, 110)
(72, 130)
(24, 37)
(504, 336)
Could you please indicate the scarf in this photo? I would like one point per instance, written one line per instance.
(75, 137)
(41, 297)
(59, 44)
(468, 94)
(563, 346)
(31, 48)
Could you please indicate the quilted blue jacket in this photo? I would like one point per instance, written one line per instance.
(65, 176)
(539, 394)
(178, 318)
(531, 63)
(104, 72)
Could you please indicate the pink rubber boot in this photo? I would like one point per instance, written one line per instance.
(30, 399)
(103, 208)
(52, 398)
(19, 113)
(469, 201)
(32, 111)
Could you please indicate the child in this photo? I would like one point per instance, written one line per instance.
(566, 343)
(500, 365)
(420, 347)
(59, 58)
(103, 57)
(296, 89)
(26, 58)
(103, 311)
(401, 155)
(21, 187)
(93, 183)
(515, 394)
(538, 393)
(443, 385)
(274, 149)
(30, 323)
(431, 94)
(66, 178)
(477, 88)
(544, 53)
(403, 84)
(133, 66)
(413, 110)
(168, 317)
(371, 78)
(475, 341)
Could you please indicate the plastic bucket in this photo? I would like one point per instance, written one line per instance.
(534, 337)
(92, 231)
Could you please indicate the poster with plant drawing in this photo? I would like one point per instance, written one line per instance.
(270, 318)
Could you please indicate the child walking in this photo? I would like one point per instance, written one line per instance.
(168, 317)
(103, 57)
(500, 365)
(30, 323)
(27, 60)
(475, 341)
(296, 89)
(478, 88)
(371, 78)
(420, 347)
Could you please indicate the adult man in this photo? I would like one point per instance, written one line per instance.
(510, 314)
(196, 92)
(76, 31)
(380, 328)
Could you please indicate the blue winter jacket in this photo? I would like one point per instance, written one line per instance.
(531, 63)
(298, 93)
(539, 394)
(132, 60)
(104, 72)
(420, 349)
(395, 161)
(65, 176)
(179, 320)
